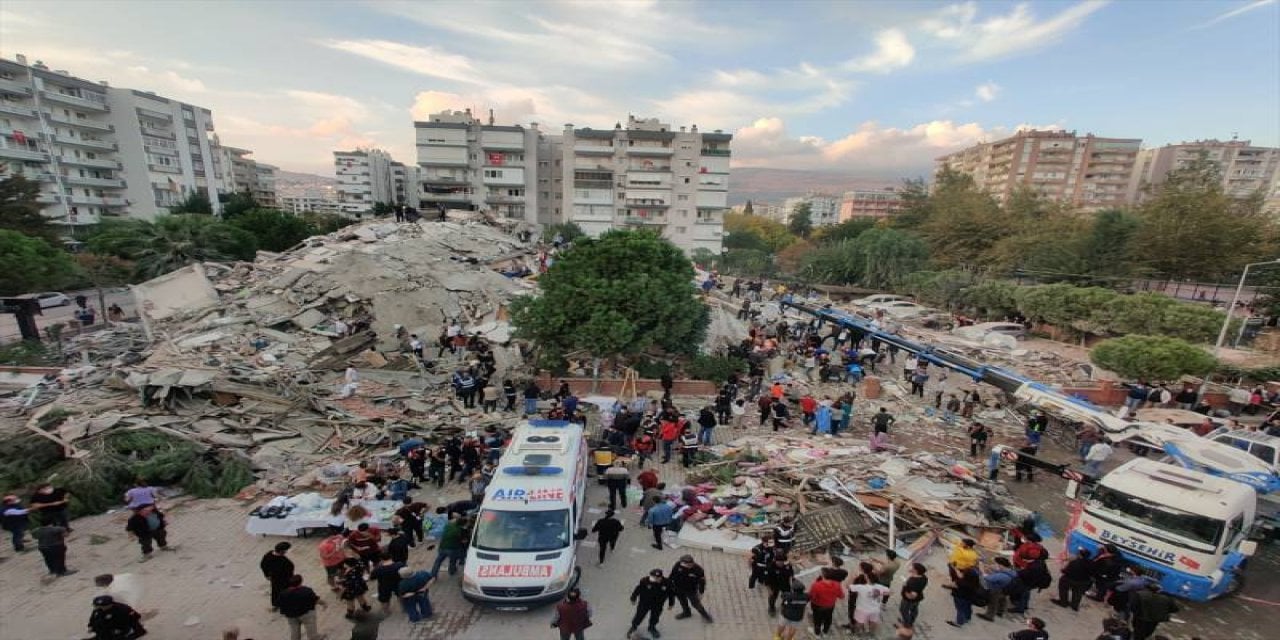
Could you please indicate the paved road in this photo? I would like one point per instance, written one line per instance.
(9, 327)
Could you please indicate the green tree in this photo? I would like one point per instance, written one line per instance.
(194, 203)
(381, 209)
(617, 295)
(172, 242)
(275, 230)
(1043, 246)
(1108, 248)
(747, 262)
(704, 257)
(771, 233)
(1152, 358)
(847, 230)
(991, 298)
(917, 206)
(943, 289)
(29, 264)
(568, 231)
(963, 222)
(1191, 228)
(238, 203)
(20, 209)
(889, 256)
(800, 224)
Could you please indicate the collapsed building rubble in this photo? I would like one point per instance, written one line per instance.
(251, 356)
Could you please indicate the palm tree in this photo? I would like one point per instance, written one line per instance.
(173, 242)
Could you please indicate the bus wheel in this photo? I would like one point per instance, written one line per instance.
(1235, 585)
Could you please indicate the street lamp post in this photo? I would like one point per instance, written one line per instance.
(1226, 322)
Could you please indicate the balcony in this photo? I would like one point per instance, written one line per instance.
(164, 168)
(593, 149)
(89, 162)
(17, 110)
(444, 180)
(113, 183)
(100, 201)
(155, 115)
(643, 221)
(23, 153)
(157, 132)
(15, 88)
(452, 197)
(75, 101)
(716, 152)
(650, 151)
(650, 167)
(634, 203)
(87, 143)
(495, 199)
(80, 122)
(162, 150)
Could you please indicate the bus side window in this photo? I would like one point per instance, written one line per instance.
(1264, 452)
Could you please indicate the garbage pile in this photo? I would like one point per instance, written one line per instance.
(298, 356)
(838, 493)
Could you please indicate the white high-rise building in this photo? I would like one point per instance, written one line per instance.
(646, 175)
(824, 209)
(102, 152)
(406, 184)
(466, 164)
(242, 174)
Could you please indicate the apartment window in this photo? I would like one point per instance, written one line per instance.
(686, 181)
(682, 197)
(515, 193)
(681, 230)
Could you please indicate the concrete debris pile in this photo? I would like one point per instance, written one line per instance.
(839, 494)
(301, 355)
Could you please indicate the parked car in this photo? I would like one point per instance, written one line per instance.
(52, 299)
(879, 298)
(978, 332)
(902, 309)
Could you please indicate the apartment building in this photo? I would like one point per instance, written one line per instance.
(824, 209)
(870, 203)
(101, 152)
(176, 150)
(406, 184)
(646, 175)
(1246, 169)
(365, 177)
(242, 174)
(1087, 172)
(310, 202)
(467, 164)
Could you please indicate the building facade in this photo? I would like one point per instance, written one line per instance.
(365, 177)
(1246, 169)
(243, 174)
(102, 152)
(824, 209)
(1086, 172)
(870, 203)
(466, 164)
(647, 175)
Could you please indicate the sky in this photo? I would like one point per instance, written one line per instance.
(876, 89)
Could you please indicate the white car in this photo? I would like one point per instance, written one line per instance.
(52, 299)
(902, 309)
(879, 298)
(979, 331)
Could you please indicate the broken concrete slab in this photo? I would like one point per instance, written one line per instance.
(186, 290)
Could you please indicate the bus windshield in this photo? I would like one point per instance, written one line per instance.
(522, 530)
(1159, 517)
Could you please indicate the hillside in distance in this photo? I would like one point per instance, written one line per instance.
(763, 184)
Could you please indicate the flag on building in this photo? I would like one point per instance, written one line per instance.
(495, 159)
(19, 137)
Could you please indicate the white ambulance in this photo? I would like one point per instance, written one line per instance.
(523, 550)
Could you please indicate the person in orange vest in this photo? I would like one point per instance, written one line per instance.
(808, 408)
(644, 446)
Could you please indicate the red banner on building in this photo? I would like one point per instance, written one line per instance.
(495, 159)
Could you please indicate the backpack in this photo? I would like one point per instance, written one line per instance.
(793, 606)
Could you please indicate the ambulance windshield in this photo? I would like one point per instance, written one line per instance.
(522, 530)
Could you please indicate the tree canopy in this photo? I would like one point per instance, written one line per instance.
(1152, 358)
(772, 236)
(273, 229)
(194, 203)
(20, 210)
(800, 223)
(29, 264)
(616, 295)
(172, 242)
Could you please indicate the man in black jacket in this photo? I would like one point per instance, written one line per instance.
(648, 597)
(1075, 580)
(607, 530)
(688, 583)
(277, 568)
(113, 620)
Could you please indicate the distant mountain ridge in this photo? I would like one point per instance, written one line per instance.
(763, 184)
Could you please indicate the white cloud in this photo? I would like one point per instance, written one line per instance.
(427, 61)
(871, 149)
(1227, 15)
(550, 107)
(893, 51)
(987, 92)
(999, 36)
